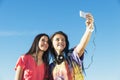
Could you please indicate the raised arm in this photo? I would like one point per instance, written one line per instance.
(86, 37)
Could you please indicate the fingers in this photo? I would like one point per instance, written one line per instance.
(90, 17)
(89, 21)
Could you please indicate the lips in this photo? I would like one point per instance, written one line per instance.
(44, 46)
(60, 45)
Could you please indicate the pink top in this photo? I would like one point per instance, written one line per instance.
(31, 71)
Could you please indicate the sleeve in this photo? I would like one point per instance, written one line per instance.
(20, 62)
(75, 57)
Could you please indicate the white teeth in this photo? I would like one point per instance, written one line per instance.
(60, 45)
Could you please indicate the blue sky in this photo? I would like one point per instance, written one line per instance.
(22, 20)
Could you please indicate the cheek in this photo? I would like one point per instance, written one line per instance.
(64, 44)
(47, 45)
(39, 46)
(54, 43)
(54, 46)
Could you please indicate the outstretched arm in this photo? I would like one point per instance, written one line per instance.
(86, 37)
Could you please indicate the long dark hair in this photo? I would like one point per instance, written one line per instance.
(34, 48)
(66, 39)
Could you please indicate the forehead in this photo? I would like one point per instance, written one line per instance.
(59, 36)
(44, 37)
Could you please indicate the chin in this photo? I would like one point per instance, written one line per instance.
(43, 50)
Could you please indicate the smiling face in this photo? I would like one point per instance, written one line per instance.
(43, 43)
(59, 43)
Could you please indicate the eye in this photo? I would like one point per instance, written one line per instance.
(43, 40)
(57, 39)
(63, 40)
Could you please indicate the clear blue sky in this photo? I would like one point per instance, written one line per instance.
(22, 20)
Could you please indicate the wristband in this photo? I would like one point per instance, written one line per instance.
(90, 30)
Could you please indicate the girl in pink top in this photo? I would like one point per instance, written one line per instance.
(33, 64)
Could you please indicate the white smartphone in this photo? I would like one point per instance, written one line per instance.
(83, 14)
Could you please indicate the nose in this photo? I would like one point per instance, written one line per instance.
(60, 40)
(46, 42)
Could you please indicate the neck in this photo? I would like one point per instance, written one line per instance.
(38, 57)
(59, 52)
